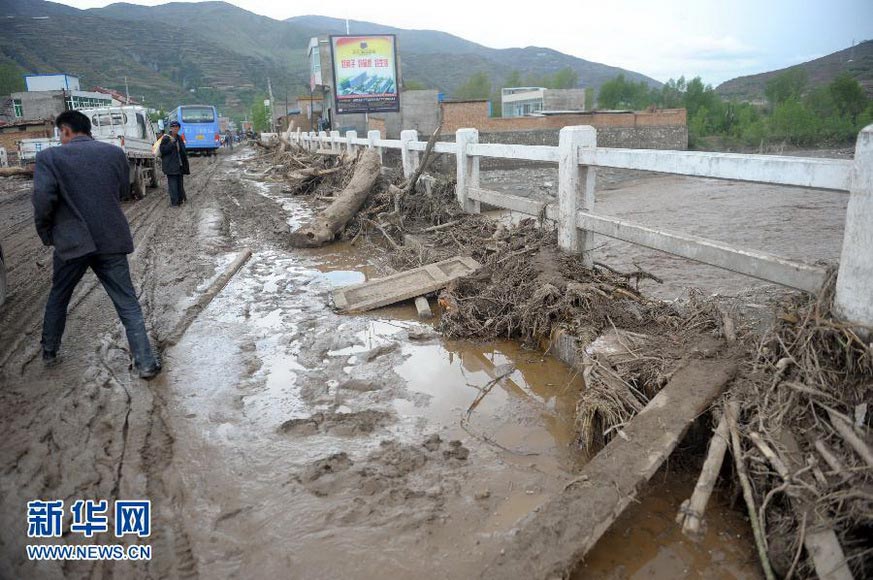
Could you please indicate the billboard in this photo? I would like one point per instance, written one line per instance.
(365, 73)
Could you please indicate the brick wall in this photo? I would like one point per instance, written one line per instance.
(474, 114)
(641, 137)
(9, 137)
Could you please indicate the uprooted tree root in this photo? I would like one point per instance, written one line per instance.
(808, 374)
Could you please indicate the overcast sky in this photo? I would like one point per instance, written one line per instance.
(715, 39)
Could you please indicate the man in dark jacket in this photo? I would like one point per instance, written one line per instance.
(76, 192)
(174, 162)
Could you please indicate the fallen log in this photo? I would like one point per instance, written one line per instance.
(326, 225)
(691, 513)
(206, 298)
(14, 171)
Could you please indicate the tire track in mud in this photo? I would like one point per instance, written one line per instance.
(34, 293)
(153, 449)
(119, 422)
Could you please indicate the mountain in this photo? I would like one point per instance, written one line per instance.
(857, 61)
(431, 57)
(218, 53)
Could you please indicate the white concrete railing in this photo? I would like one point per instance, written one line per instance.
(577, 156)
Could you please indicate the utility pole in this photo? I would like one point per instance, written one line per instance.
(272, 116)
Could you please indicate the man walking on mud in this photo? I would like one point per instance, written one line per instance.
(76, 193)
(174, 162)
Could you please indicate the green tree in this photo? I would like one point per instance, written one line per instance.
(11, 78)
(478, 86)
(785, 86)
(620, 93)
(589, 98)
(566, 78)
(259, 113)
(848, 96)
(673, 94)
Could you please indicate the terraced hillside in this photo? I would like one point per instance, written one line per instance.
(216, 52)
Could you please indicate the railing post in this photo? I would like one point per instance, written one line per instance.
(408, 157)
(575, 190)
(322, 140)
(854, 294)
(372, 137)
(313, 141)
(334, 143)
(468, 169)
(351, 147)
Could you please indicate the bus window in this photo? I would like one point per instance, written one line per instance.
(198, 115)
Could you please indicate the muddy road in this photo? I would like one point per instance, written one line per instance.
(282, 439)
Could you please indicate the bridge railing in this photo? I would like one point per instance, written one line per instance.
(577, 157)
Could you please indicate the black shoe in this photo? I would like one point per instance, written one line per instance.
(149, 373)
(50, 359)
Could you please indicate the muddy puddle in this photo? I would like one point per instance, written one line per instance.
(312, 444)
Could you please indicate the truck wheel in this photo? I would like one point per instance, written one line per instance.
(138, 188)
(152, 176)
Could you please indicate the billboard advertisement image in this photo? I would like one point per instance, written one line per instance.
(365, 73)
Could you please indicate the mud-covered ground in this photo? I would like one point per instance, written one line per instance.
(284, 440)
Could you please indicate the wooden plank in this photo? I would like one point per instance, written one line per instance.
(402, 286)
(508, 201)
(556, 537)
(782, 170)
(749, 262)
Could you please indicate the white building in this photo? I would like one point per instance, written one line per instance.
(524, 101)
(49, 95)
(51, 82)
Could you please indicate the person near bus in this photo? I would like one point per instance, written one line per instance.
(77, 189)
(174, 162)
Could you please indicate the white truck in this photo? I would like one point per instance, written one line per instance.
(127, 127)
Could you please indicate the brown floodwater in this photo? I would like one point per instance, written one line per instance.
(646, 543)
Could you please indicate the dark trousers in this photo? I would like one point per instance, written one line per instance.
(114, 273)
(177, 189)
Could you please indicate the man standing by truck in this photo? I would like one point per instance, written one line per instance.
(174, 162)
(76, 193)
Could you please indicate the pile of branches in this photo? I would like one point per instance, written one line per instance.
(806, 430)
(529, 291)
(303, 172)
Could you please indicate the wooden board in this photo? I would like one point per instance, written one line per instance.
(402, 286)
(553, 539)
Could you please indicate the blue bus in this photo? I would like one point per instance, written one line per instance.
(199, 127)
